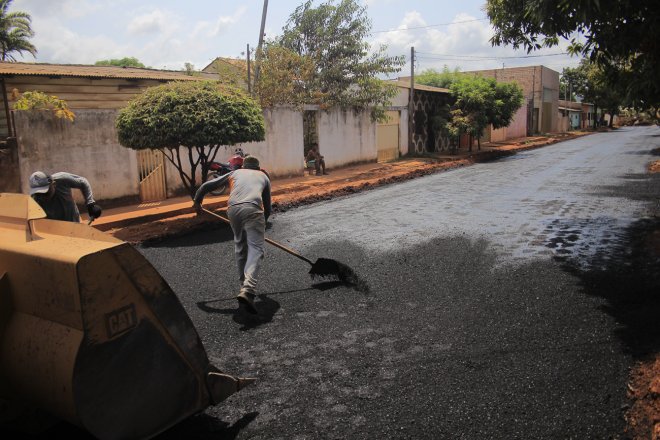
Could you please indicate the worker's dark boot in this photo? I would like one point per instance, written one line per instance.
(247, 299)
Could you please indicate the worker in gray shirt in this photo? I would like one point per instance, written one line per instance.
(53, 194)
(249, 209)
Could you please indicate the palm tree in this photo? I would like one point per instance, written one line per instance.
(15, 31)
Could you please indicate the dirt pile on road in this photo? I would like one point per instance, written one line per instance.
(643, 417)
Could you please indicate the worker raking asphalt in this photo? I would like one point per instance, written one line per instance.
(326, 268)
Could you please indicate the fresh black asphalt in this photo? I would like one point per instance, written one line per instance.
(506, 300)
(490, 313)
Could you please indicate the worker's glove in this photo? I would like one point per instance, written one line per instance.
(198, 208)
(94, 210)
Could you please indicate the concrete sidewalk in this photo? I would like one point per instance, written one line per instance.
(123, 216)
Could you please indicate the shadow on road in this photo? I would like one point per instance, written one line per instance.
(628, 278)
(205, 427)
(266, 308)
(212, 233)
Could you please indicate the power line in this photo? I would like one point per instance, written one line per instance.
(429, 26)
(437, 56)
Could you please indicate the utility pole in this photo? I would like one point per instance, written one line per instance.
(261, 42)
(411, 119)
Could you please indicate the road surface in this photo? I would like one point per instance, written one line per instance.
(506, 300)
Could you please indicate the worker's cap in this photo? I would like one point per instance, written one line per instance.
(251, 163)
(39, 182)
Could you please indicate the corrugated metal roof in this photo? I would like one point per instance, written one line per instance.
(78, 71)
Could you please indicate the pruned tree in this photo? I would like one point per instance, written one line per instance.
(189, 121)
(333, 35)
(15, 32)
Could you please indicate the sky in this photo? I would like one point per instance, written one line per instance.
(166, 34)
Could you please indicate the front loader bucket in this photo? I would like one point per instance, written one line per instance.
(90, 331)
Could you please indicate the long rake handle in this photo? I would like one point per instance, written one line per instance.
(268, 240)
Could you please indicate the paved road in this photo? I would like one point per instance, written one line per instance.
(507, 300)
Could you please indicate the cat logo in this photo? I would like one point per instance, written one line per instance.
(121, 320)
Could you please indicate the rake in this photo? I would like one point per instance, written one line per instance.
(322, 267)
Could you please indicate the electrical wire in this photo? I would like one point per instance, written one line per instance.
(429, 26)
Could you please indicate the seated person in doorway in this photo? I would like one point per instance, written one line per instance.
(53, 194)
(314, 155)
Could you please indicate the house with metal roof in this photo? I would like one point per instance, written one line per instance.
(94, 94)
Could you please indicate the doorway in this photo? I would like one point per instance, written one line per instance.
(310, 130)
(151, 171)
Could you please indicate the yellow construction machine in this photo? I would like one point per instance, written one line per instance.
(91, 333)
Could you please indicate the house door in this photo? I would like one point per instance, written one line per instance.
(151, 169)
(387, 137)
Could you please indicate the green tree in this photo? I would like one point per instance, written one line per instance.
(191, 119)
(333, 36)
(15, 32)
(597, 87)
(573, 82)
(121, 62)
(475, 103)
(284, 77)
(435, 78)
(35, 100)
(621, 37)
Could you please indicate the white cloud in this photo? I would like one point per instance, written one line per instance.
(224, 23)
(154, 22)
(57, 44)
(464, 44)
(63, 8)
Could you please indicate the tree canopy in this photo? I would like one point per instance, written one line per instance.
(622, 37)
(332, 35)
(121, 62)
(284, 77)
(475, 103)
(196, 116)
(589, 81)
(15, 32)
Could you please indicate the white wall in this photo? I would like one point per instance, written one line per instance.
(401, 98)
(281, 154)
(346, 137)
(87, 147)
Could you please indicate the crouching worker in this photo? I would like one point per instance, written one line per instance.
(249, 209)
(53, 194)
